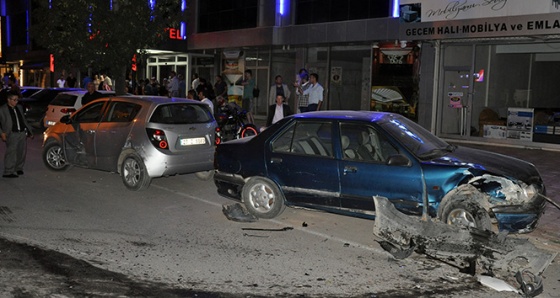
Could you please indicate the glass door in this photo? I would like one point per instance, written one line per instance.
(455, 103)
(456, 89)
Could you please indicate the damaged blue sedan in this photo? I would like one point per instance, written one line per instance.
(337, 161)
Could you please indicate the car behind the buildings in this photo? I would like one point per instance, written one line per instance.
(66, 103)
(138, 137)
(338, 160)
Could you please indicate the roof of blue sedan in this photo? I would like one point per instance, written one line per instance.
(368, 116)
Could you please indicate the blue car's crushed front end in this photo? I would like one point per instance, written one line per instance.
(513, 188)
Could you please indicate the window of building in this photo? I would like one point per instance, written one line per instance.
(493, 82)
(320, 11)
(221, 15)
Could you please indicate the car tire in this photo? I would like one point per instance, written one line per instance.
(248, 130)
(205, 175)
(134, 174)
(54, 157)
(263, 198)
(466, 212)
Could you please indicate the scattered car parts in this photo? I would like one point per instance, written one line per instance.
(471, 250)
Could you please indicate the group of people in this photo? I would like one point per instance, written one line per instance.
(309, 96)
(69, 82)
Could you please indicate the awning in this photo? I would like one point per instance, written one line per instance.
(35, 65)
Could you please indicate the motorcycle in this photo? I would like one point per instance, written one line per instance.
(232, 124)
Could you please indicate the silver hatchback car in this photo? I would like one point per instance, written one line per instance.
(139, 137)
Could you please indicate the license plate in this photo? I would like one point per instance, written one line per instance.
(193, 141)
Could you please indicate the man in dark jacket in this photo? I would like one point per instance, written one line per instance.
(278, 110)
(91, 95)
(13, 131)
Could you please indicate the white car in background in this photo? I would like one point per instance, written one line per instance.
(66, 103)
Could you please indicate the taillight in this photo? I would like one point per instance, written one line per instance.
(218, 136)
(67, 110)
(158, 138)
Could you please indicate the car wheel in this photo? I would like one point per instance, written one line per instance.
(205, 175)
(54, 158)
(248, 130)
(134, 174)
(263, 198)
(467, 213)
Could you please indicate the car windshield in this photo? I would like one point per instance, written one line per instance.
(182, 113)
(416, 139)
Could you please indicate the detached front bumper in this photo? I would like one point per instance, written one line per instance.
(519, 218)
(229, 185)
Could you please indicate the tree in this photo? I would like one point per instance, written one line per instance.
(103, 34)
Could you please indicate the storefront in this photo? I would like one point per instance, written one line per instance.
(496, 65)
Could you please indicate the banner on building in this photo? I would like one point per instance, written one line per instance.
(446, 10)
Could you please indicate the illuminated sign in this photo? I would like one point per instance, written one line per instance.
(175, 33)
(51, 66)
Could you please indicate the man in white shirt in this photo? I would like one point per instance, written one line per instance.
(61, 82)
(315, 92)
(204, 98)
(174, 84)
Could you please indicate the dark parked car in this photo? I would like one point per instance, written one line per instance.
(35, 106)
(338, 160)
(138, 137)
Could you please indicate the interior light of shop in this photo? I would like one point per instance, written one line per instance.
(8, 30)
(281, 10)
(396, 8)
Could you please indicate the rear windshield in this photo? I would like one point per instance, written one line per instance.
(66, 100)
(182, 113)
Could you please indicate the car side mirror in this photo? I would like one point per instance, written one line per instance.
(66, 119)
(398, 160)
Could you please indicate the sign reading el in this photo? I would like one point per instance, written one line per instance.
(175, 33)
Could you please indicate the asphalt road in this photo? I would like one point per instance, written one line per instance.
(82, 233)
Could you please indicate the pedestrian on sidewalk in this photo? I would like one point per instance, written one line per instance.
(14, 130)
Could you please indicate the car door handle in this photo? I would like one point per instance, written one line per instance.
(350, 170)
(276, 160)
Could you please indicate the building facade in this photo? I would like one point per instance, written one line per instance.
(472, 70)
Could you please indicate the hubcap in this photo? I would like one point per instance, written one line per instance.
(55, 158)
(262, 197)
(131, 171)
(461, 217)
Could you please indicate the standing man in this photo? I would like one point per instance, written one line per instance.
(279, 88)
(203, 95)
(71, 81)
(315, 92)
(107, 83)
(13, 130)
(61, 83)
(173, 84)
(91, 95)
(302, 99)
(220, 87)
(278, 111)
(248, 87)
